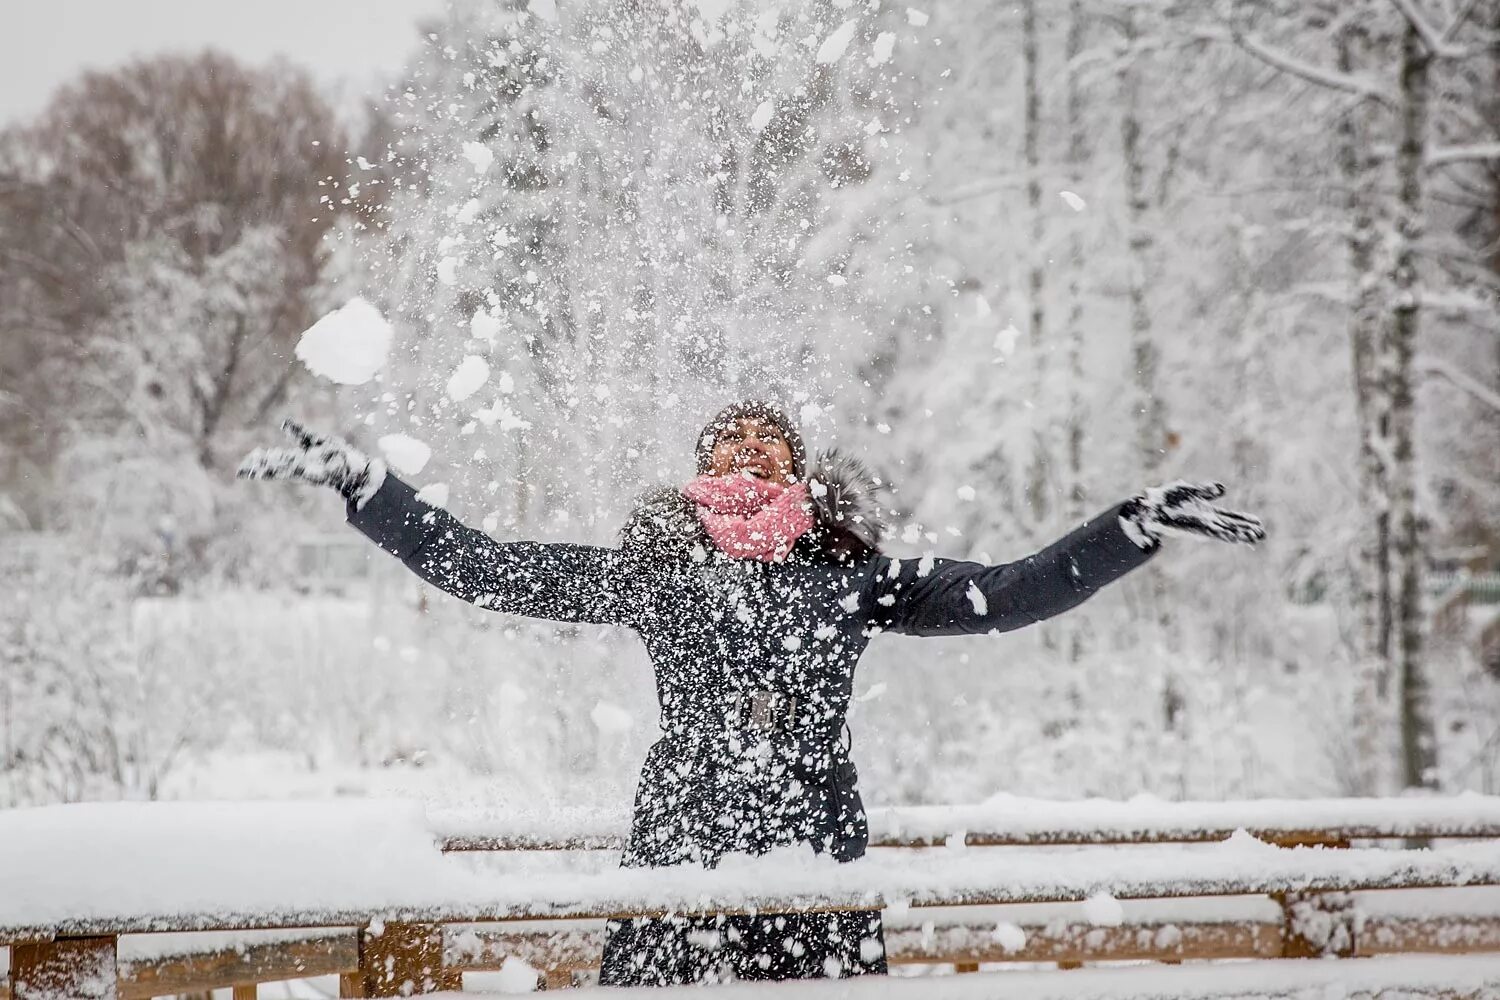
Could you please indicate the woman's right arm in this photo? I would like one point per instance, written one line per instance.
(560, 581)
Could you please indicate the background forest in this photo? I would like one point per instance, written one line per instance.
(1025, 259)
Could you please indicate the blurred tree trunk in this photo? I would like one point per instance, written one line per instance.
(1076, 494)
(1361, 173)
(1418, 736)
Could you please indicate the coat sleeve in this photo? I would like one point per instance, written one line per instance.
(951, 597)
(563, 582)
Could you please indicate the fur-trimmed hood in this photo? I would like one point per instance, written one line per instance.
(843, 490)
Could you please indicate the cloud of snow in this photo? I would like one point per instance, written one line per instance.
(406, 454)
(348, 346)
(762, 116)
(477, 153)
(833, 47)
(472, 373)
(434, 495)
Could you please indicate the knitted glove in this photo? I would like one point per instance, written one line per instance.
(1183, 509)
(319, 460)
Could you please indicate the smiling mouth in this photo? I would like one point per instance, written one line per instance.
(755, 466)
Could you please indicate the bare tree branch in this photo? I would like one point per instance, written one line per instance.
(1436, 42)
(1319, 75)
(1445, 155)
(1473, 387)
(1460, 16)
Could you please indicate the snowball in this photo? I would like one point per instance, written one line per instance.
(837, 41)
(515, 976)
(976, 598)
(791, 643)
(915, 17)
(966, 493)
(484, 325)
(1103, 910)
(434, 495)
(611, 718)
(406, 454)
(884, 43)
(447, 270)
(348, 346)
(762, 116)
(479, 156)
(471, 373)
(1010, 937)
(1076, 203)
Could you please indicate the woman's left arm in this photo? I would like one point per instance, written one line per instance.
(954, 597)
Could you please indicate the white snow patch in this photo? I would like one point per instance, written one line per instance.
(966, 493)
(885, 42)
(916, 18)
(447, 271)
(485, 325)
(479, 155)
(764, 111)
(836, 43)
(976, 598)
(1006, 340)
(516, 976)
(472, 373)
(1076, 203)
(1103, 910)
(349, 345)
(610, 718)
(434, 495)
(406, 454)
(1009, 936)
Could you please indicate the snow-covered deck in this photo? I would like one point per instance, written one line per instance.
(103, 870)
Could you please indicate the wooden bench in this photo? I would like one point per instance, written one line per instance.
(962, 907)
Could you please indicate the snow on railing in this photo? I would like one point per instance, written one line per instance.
(1012, 821)
(77, 877)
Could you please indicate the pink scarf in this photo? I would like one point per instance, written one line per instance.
(751, 518)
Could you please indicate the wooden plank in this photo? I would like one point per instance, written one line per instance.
(84, 968)
(230, 967)
(1428, 935)
(250, 992)
(400, 959)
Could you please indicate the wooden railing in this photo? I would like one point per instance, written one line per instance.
(962, 907)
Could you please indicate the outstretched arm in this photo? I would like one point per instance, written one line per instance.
(570, 583)
(556, 580)
(954, 597)
(949, 597)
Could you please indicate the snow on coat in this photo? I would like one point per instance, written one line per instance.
(754, 665)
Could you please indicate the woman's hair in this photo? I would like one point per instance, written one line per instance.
(729, 417)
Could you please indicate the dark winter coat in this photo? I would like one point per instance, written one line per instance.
(754, 668)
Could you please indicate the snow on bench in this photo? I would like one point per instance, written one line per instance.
(1476, 977)
(1007, 820)
(97, 871)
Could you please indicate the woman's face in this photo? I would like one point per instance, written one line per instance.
(755, 447)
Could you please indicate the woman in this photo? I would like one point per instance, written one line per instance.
(755, 588)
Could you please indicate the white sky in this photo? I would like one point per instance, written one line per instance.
(345, 43)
